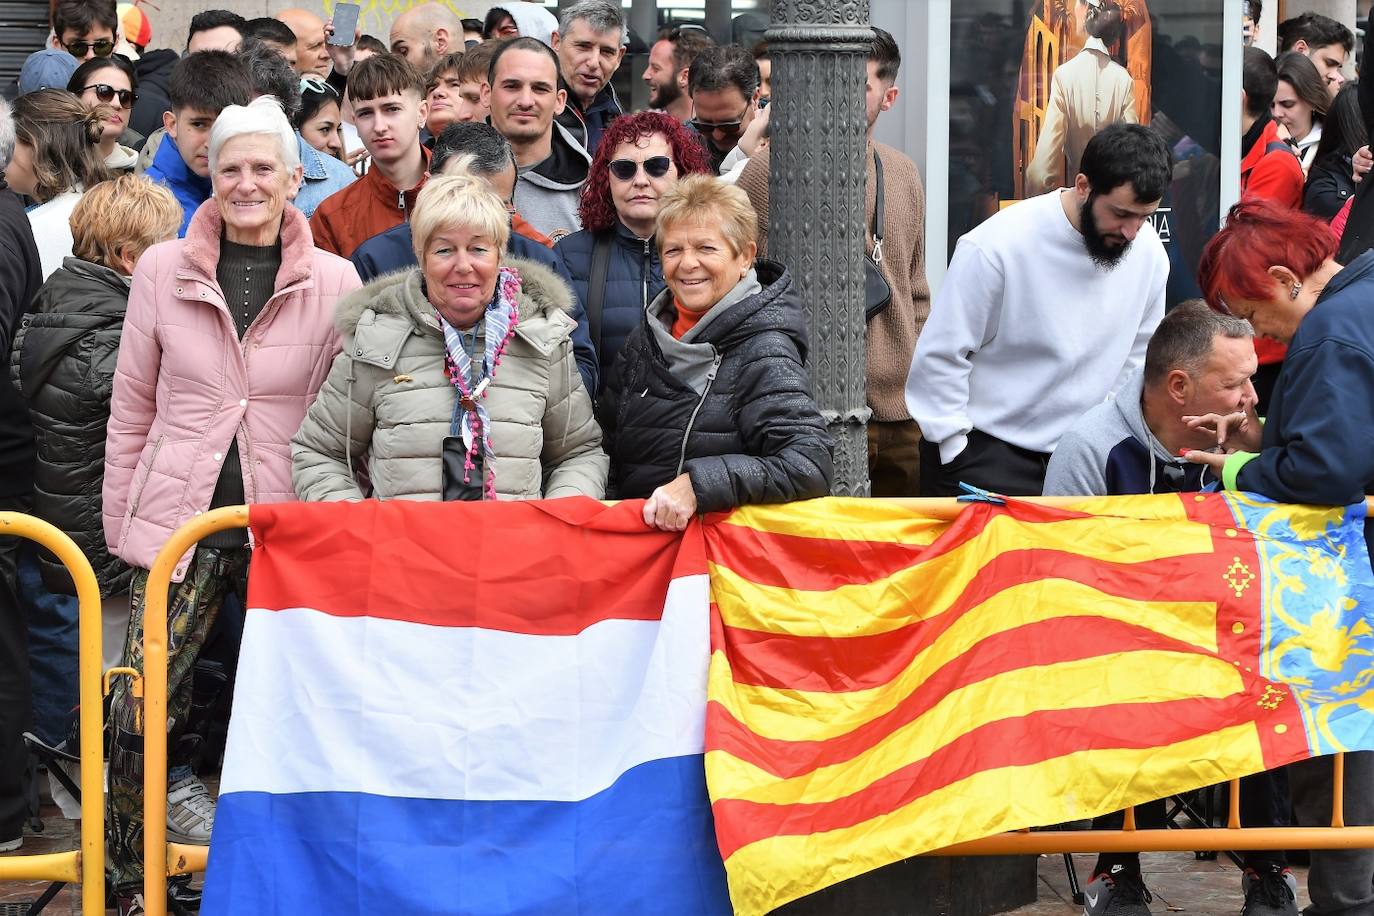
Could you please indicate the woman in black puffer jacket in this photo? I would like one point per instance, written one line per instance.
(710, 406)
(64, 363)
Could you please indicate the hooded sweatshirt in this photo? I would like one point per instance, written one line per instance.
(533, 21)
(1111, 451)
(548, 191)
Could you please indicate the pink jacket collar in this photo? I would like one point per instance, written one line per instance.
(201, 248)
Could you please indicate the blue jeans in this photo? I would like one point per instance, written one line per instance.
(53, 650)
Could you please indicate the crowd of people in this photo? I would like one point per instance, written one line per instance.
(479, 277)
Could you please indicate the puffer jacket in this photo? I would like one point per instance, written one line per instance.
(185, 385)
(634, 278)
(388, 398)
(729, 404)
(63, 365)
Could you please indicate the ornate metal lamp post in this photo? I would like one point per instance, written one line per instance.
(816, 199)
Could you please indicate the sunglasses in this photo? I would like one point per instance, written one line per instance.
(107, 93)
(708, 127)
(101, 46)
(312, 83)
(654, 167)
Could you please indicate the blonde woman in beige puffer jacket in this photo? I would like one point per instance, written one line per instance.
(388, 400)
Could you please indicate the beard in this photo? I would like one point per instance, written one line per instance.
(661, 95)
(1106, 251)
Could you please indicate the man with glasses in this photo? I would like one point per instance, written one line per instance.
(894, 439)
(475, 147)
(724, 85)
(524, 96)
(85, 28)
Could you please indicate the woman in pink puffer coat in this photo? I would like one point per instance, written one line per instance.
(228, 337)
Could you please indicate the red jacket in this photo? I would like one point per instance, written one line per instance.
(1275, 175)
(347, 218)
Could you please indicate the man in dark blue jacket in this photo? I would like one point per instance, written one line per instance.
(590, 47)
(481, 150)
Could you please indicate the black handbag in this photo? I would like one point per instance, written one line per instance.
(877, 292)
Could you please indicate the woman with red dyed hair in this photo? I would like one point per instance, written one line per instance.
(639, 157)
(1277, 268)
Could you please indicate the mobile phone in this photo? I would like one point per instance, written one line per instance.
(345, 24)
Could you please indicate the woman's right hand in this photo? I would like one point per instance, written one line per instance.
(1236, 432)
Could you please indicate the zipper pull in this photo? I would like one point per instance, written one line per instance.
(400, 200)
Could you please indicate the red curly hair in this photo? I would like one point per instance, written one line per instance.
(596, 209)
(1259, 235)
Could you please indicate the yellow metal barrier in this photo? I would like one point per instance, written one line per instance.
(87, 864)
(180, 859)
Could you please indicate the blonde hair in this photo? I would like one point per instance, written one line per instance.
(460, 199)
(706, 200)
(128, 212)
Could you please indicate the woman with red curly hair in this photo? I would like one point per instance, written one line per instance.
(1277, 268)
(612, 263)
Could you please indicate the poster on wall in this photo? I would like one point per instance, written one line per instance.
(1032, 81)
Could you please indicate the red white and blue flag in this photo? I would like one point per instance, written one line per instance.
(468, 708)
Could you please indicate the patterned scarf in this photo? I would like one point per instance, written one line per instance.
(470, 418)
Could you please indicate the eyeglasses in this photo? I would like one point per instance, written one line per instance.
(312, 83)
(107, 93)
(101, 46)
(727, 127)
(654, 167)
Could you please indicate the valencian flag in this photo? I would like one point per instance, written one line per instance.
(883, 684)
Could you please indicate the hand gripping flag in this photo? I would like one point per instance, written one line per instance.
(883, 684)
(467, 708)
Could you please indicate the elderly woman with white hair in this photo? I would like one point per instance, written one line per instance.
(227, 339)
(457, 379)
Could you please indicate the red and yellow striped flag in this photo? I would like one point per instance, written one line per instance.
(883, 685)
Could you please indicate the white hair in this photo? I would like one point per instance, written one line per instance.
(262, 116)
(7, 133)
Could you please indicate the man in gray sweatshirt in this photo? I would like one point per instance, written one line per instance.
(1199, 362)
(525, 96)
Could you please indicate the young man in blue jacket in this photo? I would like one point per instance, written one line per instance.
(201, 86)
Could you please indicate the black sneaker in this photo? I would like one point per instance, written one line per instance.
(1273, 892)
(1120, 892)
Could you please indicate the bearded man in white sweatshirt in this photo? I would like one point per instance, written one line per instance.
(1046, 308)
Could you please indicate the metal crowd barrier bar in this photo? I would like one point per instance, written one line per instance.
(86, 864)
(178, 859)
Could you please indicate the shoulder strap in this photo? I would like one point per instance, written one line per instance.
(596, 285)
(877, 208)
(1276, 145)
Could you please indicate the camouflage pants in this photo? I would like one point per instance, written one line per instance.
(192, 607)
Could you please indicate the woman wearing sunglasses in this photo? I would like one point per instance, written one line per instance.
(709, 406)
(638, 159)
(111, 81)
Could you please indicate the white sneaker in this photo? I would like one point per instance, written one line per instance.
(190, 812)
(12, 845)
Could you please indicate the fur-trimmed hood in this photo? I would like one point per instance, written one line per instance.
(543, 294)
(377, 320)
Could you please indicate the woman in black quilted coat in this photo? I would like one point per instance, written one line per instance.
(710, 405)
(64, 361)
